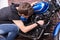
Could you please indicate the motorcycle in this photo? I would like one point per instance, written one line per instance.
(41, 12)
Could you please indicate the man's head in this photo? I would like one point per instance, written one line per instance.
(25, 9)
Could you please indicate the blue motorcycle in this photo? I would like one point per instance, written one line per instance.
(42, 11)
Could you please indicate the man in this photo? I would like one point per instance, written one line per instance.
(10, 19)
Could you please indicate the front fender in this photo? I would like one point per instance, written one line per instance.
(56, 29)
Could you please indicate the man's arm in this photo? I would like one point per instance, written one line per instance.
(24, 28)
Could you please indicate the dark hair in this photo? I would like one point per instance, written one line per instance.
(25, 8)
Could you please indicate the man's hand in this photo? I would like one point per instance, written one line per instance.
(41, 22)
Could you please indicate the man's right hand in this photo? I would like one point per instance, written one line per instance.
(41, 22)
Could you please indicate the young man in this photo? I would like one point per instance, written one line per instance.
(10, 19)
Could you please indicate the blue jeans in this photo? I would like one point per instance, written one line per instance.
(11, 29)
